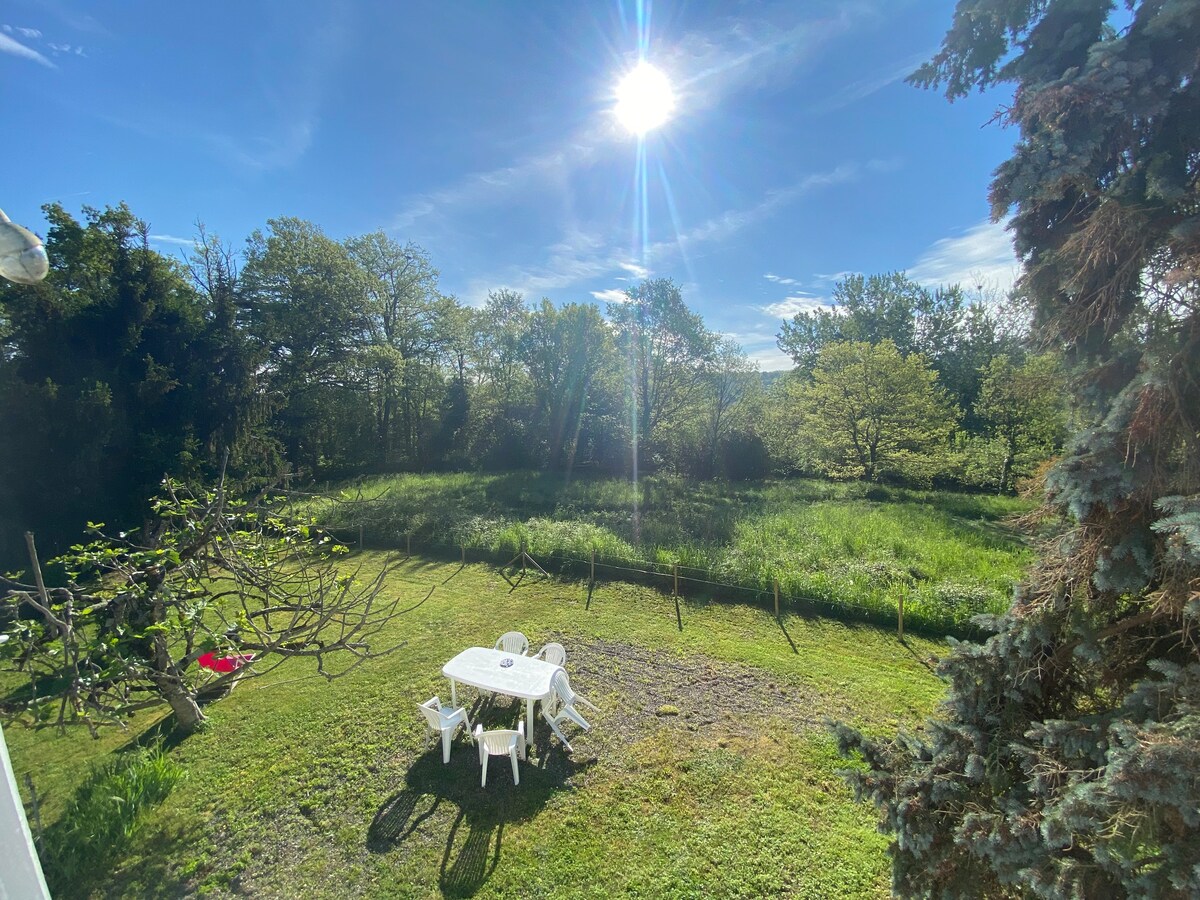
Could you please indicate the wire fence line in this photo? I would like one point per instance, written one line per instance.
(669, 576)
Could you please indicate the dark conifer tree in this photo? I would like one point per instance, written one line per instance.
(1065, 760)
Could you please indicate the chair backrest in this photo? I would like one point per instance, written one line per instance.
(432, 708)
(560, 684)
(555, 654)
(499, 741)
(513, 642)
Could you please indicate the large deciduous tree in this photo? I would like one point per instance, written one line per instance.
(502, 394)
(405, 313)
(305, 306)
(569, 356)
(871, 412)
(666, 351)
(1064, 760)
(1023, 407)
(955, 336)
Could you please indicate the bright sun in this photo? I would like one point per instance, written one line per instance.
(644, 99)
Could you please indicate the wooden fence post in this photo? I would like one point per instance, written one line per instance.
(777, 598)
(675, 573)
(407, 546)
(360, 536)
(464, 553)
(678, 615)
(900, 616)
(592, 576)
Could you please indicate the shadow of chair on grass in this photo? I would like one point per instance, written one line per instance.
(480, 814)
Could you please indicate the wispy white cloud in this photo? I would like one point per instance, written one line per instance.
(171, 239)
(28, 33)
(770, 359)
(981, 257)
(290, 97)
(860, 90)
(16, 48)
(743, 54)
(834, 277)
(581, 255)
(727, 224)
(493, 185)
(73, 19)
(66, 48)
(611, 295)
(275, 149)
(788, 307)
(779, 279)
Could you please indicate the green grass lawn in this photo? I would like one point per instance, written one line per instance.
(708, 772)
(845, 549)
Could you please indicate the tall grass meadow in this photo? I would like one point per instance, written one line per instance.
(845, 549)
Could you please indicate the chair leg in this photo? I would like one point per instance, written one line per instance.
(483, 779)
(574, 716)
(516, 774)
(561, 736)
(446, 737)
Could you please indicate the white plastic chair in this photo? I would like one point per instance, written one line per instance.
(561, 706)
(444, 720)
(504, 742)
(555, 654)
(513, 642)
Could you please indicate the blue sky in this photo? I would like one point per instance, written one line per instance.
(484, 132)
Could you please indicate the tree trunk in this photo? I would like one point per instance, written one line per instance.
(188, 714)
(1010, 457)
(1005, 472)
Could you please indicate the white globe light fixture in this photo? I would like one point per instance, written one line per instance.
(22, 256)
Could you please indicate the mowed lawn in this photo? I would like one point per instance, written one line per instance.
(707, 773)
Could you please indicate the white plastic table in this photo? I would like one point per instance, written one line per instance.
(527, 678)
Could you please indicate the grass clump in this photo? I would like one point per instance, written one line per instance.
(104, 815)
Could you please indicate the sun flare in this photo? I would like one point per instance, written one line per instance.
(644, 99)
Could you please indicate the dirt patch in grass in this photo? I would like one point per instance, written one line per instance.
(642, 690)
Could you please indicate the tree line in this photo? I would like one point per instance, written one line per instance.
(324, 359)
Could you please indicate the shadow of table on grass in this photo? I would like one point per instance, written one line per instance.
(472, 846)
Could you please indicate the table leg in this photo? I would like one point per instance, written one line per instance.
(529, 722)
(453, 695)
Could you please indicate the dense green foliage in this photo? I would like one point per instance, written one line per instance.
(871, 412)
(107, 381)
(302, 788)
(1064, 760)
(844, 550)
(311, 358)
(961, 416)
(954, 336)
